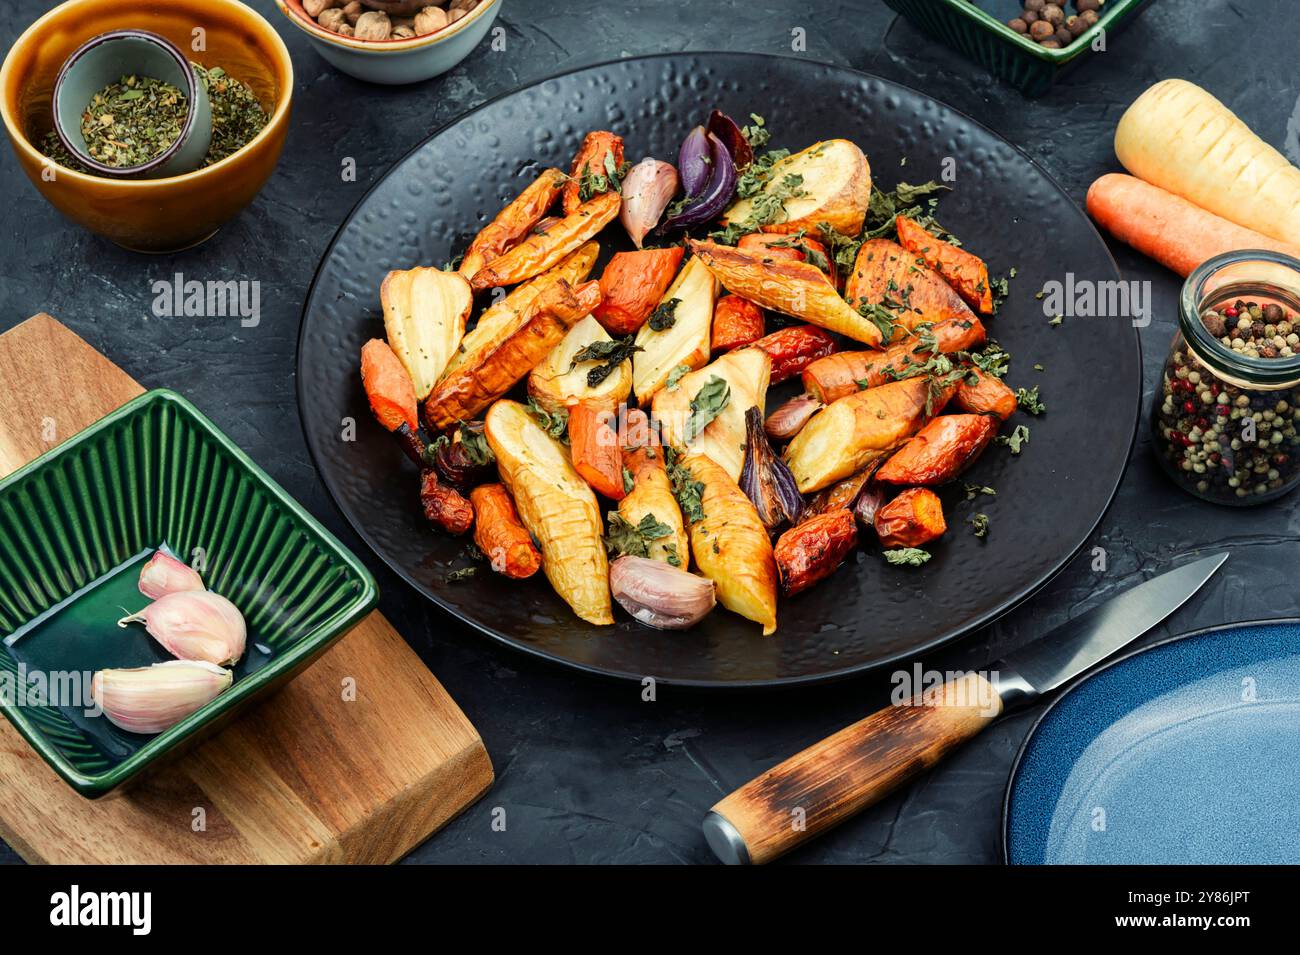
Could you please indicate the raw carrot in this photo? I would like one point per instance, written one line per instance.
(388, 386)
(1176, 233)
(595, 450)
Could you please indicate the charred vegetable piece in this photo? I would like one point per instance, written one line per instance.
(900, 291)
(513, 223)
(765, 479)
(443, 504)
(834, 185)
(798, 247)
(845, 372)
(913, 518)
(632, 284)
(940, 451)
(793, 349)
(869, 501)
(729, 543)
(660, 595)
(705, 206)
(594, 447)
(787, 420)
(982, 393)
(539, 252)
(726, 129)
(853, 432)
(812, 550)
(652, 496)
(595, 170)
(786, 286)
(424, 317)
(736, 322)
(841, 494)
(965, 272)
(464, 393)
(463, 458)
(499, 533)
(556, 506)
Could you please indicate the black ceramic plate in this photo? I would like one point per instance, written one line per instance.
(1006, 209)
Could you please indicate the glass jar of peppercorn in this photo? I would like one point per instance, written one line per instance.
(1226, 416)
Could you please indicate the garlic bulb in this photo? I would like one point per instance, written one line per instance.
(164, 574)
(152, 699)
(648, 187)
(195, 625)
(658, 594)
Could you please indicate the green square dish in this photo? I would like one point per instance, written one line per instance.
(1018, 60)
(75, 526)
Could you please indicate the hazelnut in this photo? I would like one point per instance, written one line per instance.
(1064, 36)
(454, 15)
(430, 20)
(1030, 17)
(1089, 17)
(1051, 43)
(345, 30)
(373, 25)
(1053, 14)
(466, 5)
(314, 8)
(1040, 30)
(1019, 25)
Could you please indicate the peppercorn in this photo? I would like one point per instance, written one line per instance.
(1273, 313)
(1053, 14)
(1089, 17)
(1040, 30)
(1076, 26)
(1019, 25)
(1035, 5)
(1087, 6)
(1214, 323)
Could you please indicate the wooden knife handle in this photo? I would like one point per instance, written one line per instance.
(843, 774)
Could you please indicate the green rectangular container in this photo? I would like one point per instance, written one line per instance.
(1018, 60)
(75, 526)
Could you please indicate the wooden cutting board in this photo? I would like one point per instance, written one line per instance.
(304, 777)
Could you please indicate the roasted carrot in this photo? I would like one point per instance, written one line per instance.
(986, 394)
(845, 372)
(499, 533)
(636, 431)
(800, 248)
(965, 272)
(811, 550)
(913, 518)
(513, 223)
(444, 505)
(905, 293)
(590, 161)
(537, 253)
(793, 349)
(1176, 233)
(388, 386)
(632, 285)
(594, 447)
(940, 451)
(736, 321)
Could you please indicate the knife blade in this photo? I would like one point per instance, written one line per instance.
(834, 779)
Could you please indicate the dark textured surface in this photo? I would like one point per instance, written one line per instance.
(868, 614)
(587, 770)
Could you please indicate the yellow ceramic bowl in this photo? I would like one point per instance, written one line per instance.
(149, 215)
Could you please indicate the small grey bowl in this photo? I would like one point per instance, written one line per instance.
(105, 59)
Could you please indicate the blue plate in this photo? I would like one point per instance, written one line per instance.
(1187, 751)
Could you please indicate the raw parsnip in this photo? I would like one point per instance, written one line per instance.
(1180, 138)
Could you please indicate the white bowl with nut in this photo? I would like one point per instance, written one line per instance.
(392, 41)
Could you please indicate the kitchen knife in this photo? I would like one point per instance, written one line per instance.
(843, 774)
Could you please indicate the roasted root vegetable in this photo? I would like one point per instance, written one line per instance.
(792, 288)
(766, 480)
(540, 251)
(1180, 138)
(660, 595)
(391, 396)
(652, 496)
(912, 519)
(736, 322)
(499, 533)
(593, 445)
(595, 169)
(841, 494)
(813, 549)
(729, 543)
(632, 284)
(443, 504)
(787, 420)
(502, 319)
(900, 290)
(834, 186)
(940, 451)
(463, 458)
(793, 349)
(801, 248)
(463, 394)
(965, 272)
(424, 317)
(831, 378)
(588, 366)
(513, 223)
(855, 431)
(705, 411)
(984, 394)
(556, 506)
(677, 332)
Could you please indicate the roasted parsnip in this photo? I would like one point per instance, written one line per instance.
(566, 377)
(537, 253)
(652, 494)
(677, 332)
(424, 317)
(513, 223)
(834, 188)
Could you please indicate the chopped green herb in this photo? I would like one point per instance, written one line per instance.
(909, 556)
(1028, 400)
(611, 354)
(556, 424)
(1056, 321)
(476, 446)
(973, 490)
(623, 537)
(707, 405)
(688, 491)
(675, 376)
(664, 316)
(463, 574)
(756, 134)
(629, 482)
(980, 522)
(1016, 440)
